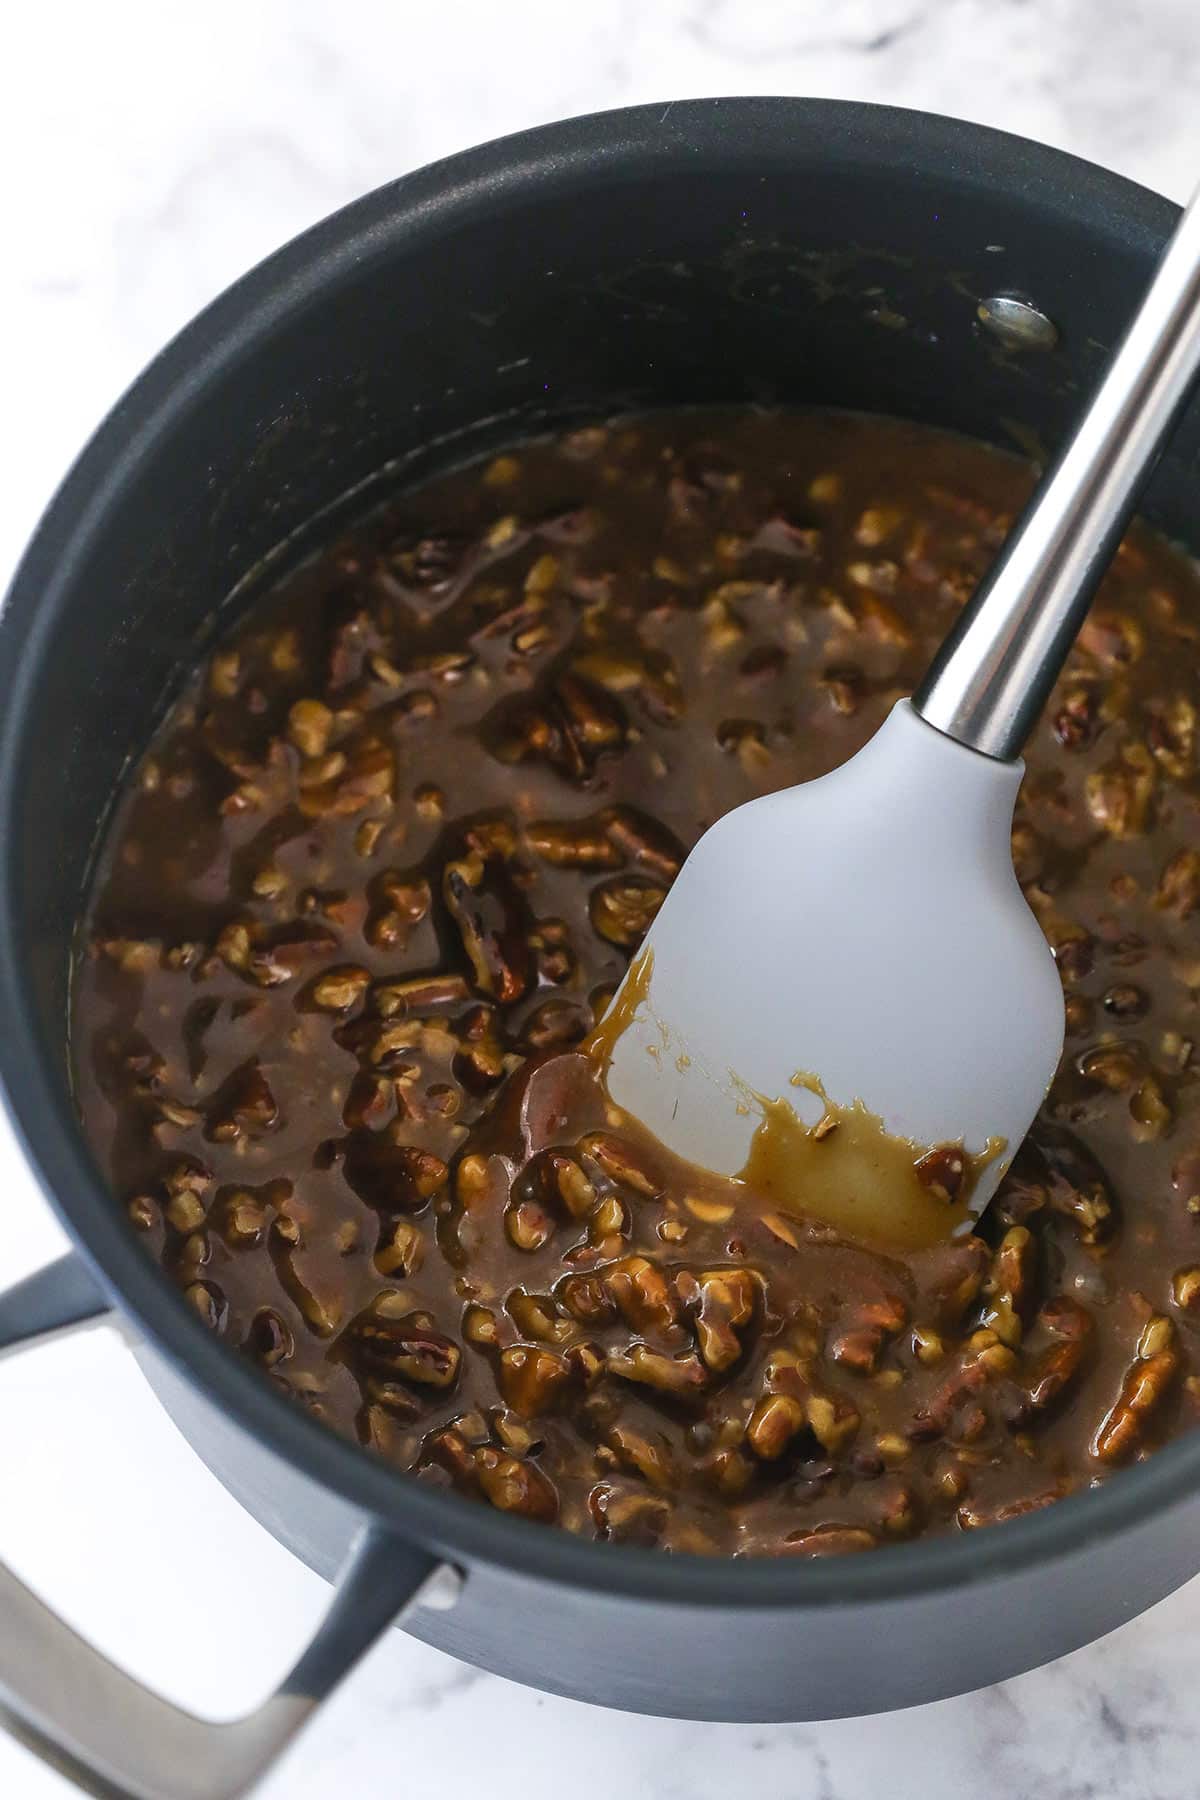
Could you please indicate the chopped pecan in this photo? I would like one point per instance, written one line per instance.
(859, 1343)
(581, 844)
(624, 1517)
(1010, 1288)
(515, 1486)
(828, 1540)
(1077, 720)
(340, 989)
(569, 727)
(397, 906)
(537, 1317)
(282, 955)
(557, 1182)
(834, 1421)
(484, 903)
(1120, 796)
(941, 1171)
(554, 1025)
(309, 725)
(587, 1298)
(528, 1224)
(618, 1159)
(1052, 1169)
(479, 1060)
(407, 1349)
(1114, 639)
(622, 910)
(775, 1421)
(952, 1276)
(682, 1376)
(1147, 1382)
(531, 1378)
(642, 1294)
(393, 1176)
(649, 1458)
(420, 994)
(244, 1106)
(721, 1303)
(1179, 884)
(972, 1515)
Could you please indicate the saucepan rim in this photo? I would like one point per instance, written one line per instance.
(721, 135)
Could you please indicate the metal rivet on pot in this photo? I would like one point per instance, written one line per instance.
(441, 1590)
(1016, 324)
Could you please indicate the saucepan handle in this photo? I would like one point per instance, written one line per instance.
(118, 1739)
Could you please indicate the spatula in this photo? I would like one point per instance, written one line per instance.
(858, 945)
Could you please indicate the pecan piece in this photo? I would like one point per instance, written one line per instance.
(973, 1515)
(515, 1486)
(420, 994)
(1114, 639)
(1147, 1382)
(530, 1378)
(340, 989)
(537, 1317)
(243, 1106)
(775, 1421)
(286, 953)
(834, 1421)
(1010, 1288)
(1053, 1169)
(952, 1277)
(622, 1517)
(642, 1294)
(483, 902)
(587, 1298)
(644, 842)
(1077, 721)
(569, 727)
(681, 1376)
(828, 1540)
(479, 1060)
(398, 905)
(310, 723)
(408, 1348)
(1119, 797)
(583, 844)
(557, 1180)
(621, 1163)
(554, 1025)
(622, 910)
(652, 1460)
(721, 1303)
(394, 1177)
(1179, 884)
(859, 1344)
(941, 1172)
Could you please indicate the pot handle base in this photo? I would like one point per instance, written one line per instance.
(106, 1731)
(60, 1297)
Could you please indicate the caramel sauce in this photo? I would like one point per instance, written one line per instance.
(845, 1170)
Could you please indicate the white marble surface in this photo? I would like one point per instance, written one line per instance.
(149, 153)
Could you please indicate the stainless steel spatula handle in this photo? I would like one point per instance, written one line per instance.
(991, 678)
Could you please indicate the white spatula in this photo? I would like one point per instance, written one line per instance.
(867, 929)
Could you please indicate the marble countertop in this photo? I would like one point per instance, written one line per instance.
(151, 153)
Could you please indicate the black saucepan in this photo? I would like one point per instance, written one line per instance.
(731, 250)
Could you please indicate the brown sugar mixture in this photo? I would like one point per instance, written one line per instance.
(382, 869)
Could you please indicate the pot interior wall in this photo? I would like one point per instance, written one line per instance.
(498, 313)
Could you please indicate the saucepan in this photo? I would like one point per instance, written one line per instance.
(727, 250)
